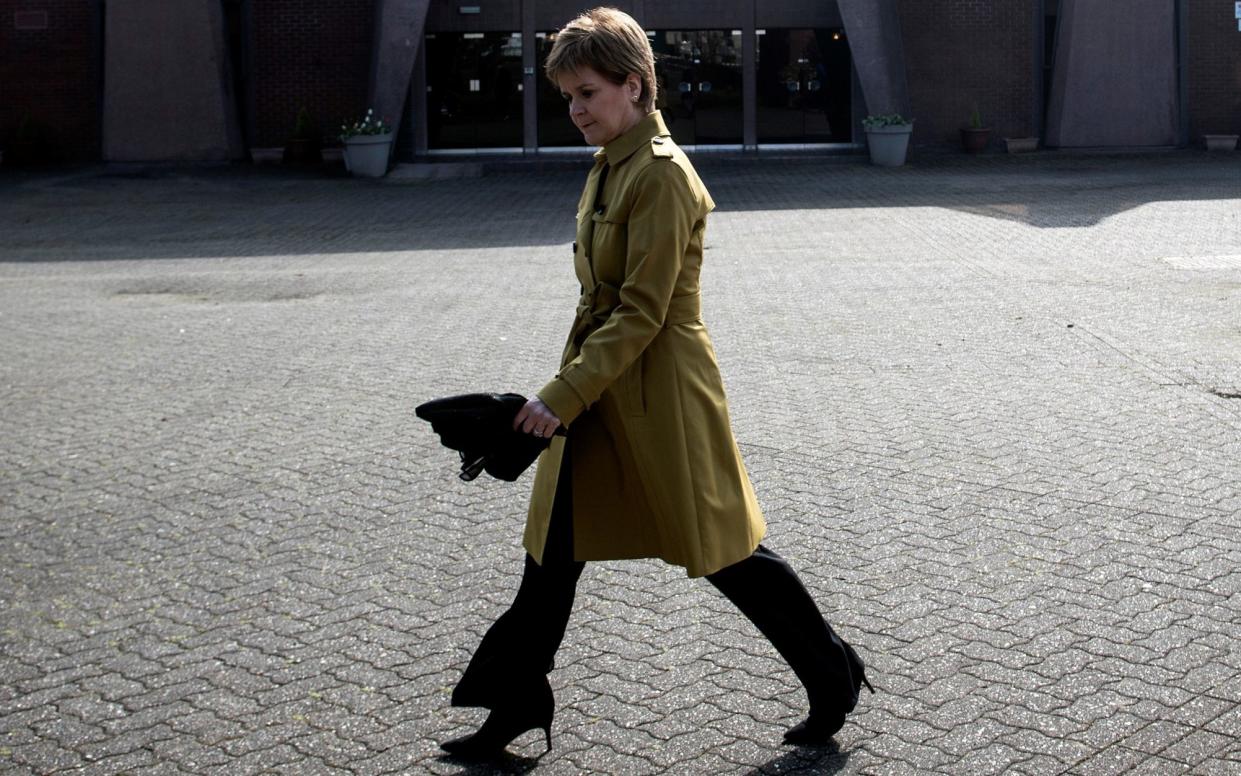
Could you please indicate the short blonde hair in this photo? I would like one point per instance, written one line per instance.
(609, 42)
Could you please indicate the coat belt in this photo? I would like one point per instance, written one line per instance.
(597, 304)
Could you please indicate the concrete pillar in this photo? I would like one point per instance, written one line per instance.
(874, 31)
(167, 83)
(1114, 80)
(399, 29)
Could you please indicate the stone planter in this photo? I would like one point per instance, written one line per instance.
(1019, 145)
(367, 155)
(888, 145)
(1220, 142)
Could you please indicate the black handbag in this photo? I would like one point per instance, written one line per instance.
(479, 426)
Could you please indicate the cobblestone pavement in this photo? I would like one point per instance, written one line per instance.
(991, 408)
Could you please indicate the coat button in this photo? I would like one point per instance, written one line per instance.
(658, 141)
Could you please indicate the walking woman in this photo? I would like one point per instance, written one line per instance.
(648, 467)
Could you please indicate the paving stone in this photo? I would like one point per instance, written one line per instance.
(986, 418)
(1197, 747)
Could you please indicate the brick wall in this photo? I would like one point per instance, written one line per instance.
(1214, 64)
(965, 53)
(311, 53)
(52, 75)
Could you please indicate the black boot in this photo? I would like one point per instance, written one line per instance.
(820, 726)
(504, 724)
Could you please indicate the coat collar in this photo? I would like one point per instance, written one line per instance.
(620, 149)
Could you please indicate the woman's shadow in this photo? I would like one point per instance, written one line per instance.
(807, 760)
(810, 760)
(506, 764)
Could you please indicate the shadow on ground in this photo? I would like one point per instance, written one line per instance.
(174, 213)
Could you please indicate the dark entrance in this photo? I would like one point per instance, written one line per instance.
(474, 85)
(700, 84)
(805, 84)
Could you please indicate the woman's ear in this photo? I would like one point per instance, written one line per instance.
(634, 84)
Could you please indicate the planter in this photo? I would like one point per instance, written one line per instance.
(302, 151)
(888, 145)
(367, 155)
(1018, 145)
(975, 141)
(21, 153)
(1220, 142)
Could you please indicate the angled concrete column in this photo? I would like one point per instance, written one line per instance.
(874, 31)
(399, 29)
(1114, 78)
(167, 85)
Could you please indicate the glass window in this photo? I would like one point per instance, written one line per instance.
(474, 85)
(805, 86)
(555, 128)
(700, 84)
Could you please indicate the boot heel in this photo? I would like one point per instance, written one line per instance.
(866, 682)
(858, 668)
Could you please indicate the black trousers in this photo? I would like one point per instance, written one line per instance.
(518, 651)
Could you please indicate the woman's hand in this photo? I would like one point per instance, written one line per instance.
(536, 418)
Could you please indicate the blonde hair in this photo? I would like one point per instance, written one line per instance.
(609, 42)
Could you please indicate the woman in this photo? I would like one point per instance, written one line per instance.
(648, 466)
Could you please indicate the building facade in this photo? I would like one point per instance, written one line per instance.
(132, 80)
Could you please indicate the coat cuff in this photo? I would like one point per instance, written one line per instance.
(561, 399)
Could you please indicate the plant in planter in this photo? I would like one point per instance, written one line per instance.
(887, 137)
(368, 145)
(304, 146)
(975, 137)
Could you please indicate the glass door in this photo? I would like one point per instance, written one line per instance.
(474, 85)
(700, 84)
(805, 86)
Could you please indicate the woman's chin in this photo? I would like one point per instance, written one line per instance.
(595, 136)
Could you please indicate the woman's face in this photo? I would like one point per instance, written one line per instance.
(602, 110)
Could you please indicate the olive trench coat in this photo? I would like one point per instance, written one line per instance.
(656, 470)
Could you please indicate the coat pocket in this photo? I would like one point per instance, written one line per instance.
(609, 239)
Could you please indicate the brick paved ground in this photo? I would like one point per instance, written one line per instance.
(990, 406)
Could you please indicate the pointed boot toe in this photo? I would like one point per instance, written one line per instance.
(815, 730)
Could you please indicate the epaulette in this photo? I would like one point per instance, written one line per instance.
(661, 147)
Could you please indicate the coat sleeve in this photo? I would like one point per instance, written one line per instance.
(660, 225)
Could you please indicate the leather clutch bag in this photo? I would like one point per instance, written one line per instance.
(479, 426)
